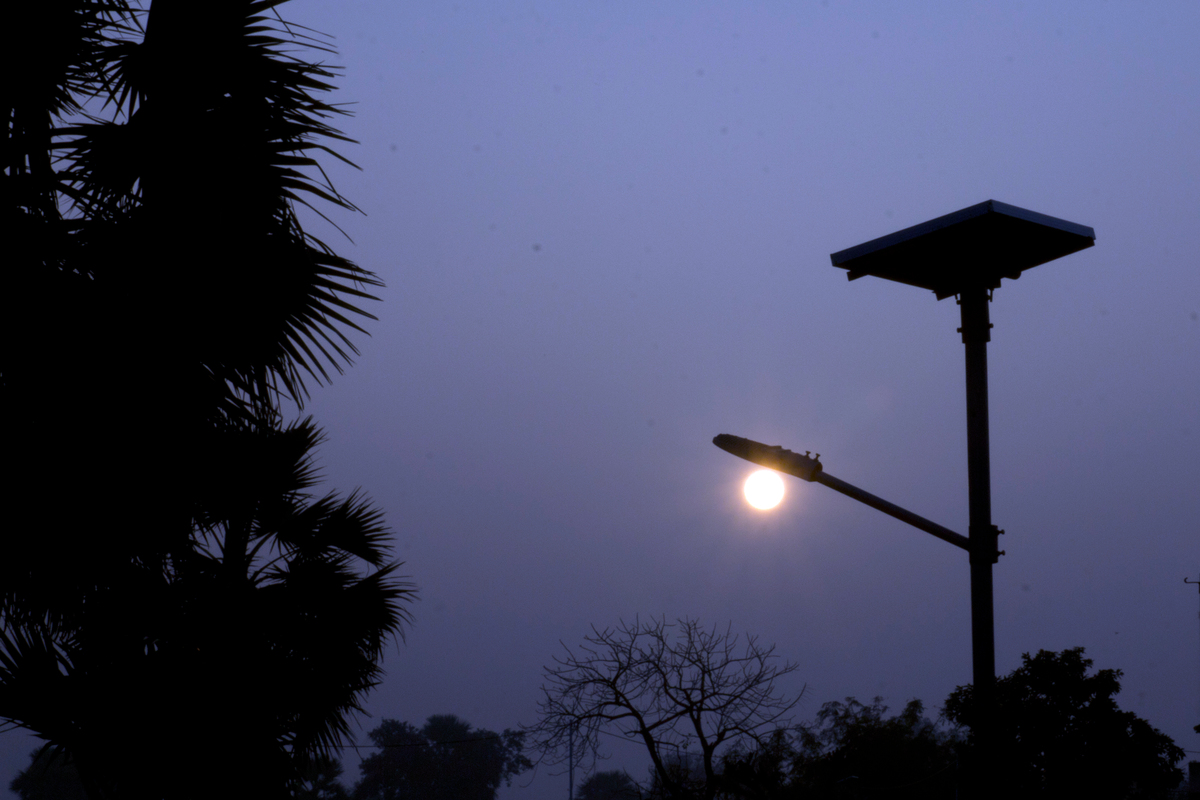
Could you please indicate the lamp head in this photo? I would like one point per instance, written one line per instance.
(770, 456)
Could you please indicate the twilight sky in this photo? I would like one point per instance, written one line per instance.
(605, 231)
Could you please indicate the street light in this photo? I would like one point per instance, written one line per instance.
(963, 254)
(812, 470)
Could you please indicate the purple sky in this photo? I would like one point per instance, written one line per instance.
(605, 231)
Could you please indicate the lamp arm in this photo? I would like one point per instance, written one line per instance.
(893, 510)
(811, 469)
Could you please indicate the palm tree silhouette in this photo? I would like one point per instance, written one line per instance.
(166, 301)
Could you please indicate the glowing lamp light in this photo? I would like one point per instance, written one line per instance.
(764, 489)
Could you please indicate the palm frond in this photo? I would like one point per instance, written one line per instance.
(34, 660)
(153, 167)
(223, 125)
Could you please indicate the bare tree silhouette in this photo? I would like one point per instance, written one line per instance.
(670, 686)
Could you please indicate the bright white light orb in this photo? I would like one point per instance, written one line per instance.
(764, 489)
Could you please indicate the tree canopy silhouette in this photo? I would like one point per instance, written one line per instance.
(319, 780)
(1060, 733)
(445, 759)
(903, 756)
(180, 585)
(609, 785)
(851, 750)
(673, 687)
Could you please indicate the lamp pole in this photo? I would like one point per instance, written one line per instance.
(976, 332)
(963, 254)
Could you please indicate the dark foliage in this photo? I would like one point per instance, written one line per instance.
(158, 276)
(250, 650)
(319, 780)
(49, 776)
(1061, 734)
(850, 750)
(446, 759)
(176, 583)
(763, 772)
(610, 785)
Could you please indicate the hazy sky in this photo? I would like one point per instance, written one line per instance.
(605, 230)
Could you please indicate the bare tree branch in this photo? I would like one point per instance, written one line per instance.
(675, 687)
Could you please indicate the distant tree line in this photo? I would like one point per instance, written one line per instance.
(716, 725)
(1063, 735)
(445, 759)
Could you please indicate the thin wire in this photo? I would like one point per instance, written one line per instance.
(491, 738)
